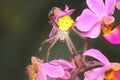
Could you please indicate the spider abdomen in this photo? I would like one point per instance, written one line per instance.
(62, 34)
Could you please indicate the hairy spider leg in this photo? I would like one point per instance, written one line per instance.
(46, 41)
(76, 31)
(69, 46)
(72, 45)
(49, 49)
(52, 22)
(86, 41)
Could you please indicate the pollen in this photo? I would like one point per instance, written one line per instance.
(65, 22)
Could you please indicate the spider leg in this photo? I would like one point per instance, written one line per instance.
(77, 56)
(69, 46)
(52, 22)
(72, 45)
(77, 32)
(44, 42)
(53, 43)
(86, 41)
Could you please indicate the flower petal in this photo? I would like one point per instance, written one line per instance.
(27, 69)
(58, 12)
(41, 74)
(114, 36)
(64, 63)
(86, 20)
(115, 66)
(93, 33)
(95, 74)
(35, 60)
(77, 78)
(70, 12)
(53, 31)
(66, 8)
(108, 19)
(49, 78)
(117, 75)
(53, 70)
(110, 6)
(97, 6)
(101, 76)
(97, 55)
(66, 76)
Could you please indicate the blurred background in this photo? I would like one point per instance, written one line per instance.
(24, 25)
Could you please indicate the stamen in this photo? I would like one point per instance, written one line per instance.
(112, 75)
(106, 28)
(108, 22)
(109, 75)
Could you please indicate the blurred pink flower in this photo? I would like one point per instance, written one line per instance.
(109, 71)
(53, 70)
(57, 69)
(57, 13)
(99, 15)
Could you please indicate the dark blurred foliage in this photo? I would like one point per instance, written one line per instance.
(24, 25)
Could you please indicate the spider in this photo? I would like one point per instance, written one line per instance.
(62, 24)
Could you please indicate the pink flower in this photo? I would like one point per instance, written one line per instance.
(57, 13)
(57, 69)
(109, 71)
(99, 15)
(53, 70)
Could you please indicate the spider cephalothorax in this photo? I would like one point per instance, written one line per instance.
(62, 35)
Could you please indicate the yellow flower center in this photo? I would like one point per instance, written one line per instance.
(106, 28)
(65, 22)
(112, 75)
(108, 22)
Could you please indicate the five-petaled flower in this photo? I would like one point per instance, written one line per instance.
(109, 71)
(98, 16)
